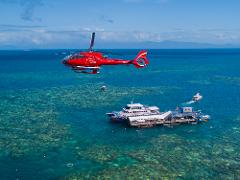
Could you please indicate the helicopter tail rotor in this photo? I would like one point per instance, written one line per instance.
(141, 59)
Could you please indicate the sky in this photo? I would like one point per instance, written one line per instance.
(69, 23)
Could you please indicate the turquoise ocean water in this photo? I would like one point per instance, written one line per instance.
(53, 123)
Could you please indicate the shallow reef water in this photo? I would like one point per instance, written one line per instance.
(28, 126)
(53, 122)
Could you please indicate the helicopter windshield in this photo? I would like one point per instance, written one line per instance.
(76, 56)
(79, 56)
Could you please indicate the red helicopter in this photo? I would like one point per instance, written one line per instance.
(89, 62)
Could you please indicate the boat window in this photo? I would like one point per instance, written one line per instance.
(136, 108)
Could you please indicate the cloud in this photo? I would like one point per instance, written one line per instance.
(28, 8)
(104, 18)
(13, 27)
(41, 37)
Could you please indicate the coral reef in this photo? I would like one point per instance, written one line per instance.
(31, 122)
(29, 119)
(169, 157)
(98, 153)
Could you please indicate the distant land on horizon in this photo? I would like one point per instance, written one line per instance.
(128, 45)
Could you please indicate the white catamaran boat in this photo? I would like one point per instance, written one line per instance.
(139, 115)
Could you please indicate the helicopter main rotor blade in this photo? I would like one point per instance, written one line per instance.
(92, 41)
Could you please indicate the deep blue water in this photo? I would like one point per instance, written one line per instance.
(53, 123)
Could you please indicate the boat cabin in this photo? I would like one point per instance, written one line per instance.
(134, 106)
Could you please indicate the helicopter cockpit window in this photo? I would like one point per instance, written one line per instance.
(80, 56)
(77, 56)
